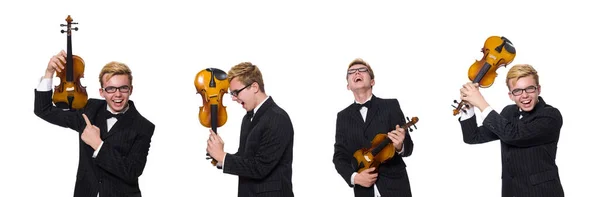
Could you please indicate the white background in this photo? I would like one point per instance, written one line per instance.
(420, 52)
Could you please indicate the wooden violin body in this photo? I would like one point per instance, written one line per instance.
(497, 52)
(212, 84)
(382, 149)
(70, 94)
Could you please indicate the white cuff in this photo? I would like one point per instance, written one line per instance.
(485, 112)
(97, 150)
(45, 85)
(352, 178)
(401, 151)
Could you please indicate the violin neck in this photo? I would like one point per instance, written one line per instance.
(214, 108)
(380, 146)
(69, 68)
(486, 67)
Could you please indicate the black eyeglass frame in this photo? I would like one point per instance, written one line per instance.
(113, 89)
(361, 69)
(237, 92)
(519, 91)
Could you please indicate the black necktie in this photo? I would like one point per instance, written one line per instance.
(366, 104)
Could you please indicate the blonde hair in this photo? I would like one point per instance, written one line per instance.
(363, 62)
(115, 68)
(247, 73)
(519, 71)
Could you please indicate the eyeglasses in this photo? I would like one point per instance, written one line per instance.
(519, 91)
(236, 92)
(361, 69)
(113, 89)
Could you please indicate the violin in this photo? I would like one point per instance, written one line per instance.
(70, 94)
(497, 52)
(212, 84)
(382, 149)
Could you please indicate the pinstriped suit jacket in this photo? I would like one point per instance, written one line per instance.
(122, 158)
(353, 133)
(528, 148)
(263, 162)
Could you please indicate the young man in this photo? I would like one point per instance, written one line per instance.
(528, 132)
(115, 137)
(263, 162)
(356, 127)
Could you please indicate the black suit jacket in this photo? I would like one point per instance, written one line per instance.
(528, 148)
(263, 162)
(353, 133)
(122, 157)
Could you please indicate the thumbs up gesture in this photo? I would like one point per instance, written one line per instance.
(91, 134)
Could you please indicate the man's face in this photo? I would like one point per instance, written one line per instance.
(243, 94)
(116, 91)
(358, 77)
(524, 92)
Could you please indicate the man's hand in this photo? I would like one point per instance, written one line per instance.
(91, 134)
(215, 146)
(56, 64)
(470, 93)
(397, 137)
(366, 178)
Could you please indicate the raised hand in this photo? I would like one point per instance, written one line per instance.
(56, 63)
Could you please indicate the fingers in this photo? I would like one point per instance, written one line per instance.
(394, 137)
(87, 121)
(57, 63)
(220, 140)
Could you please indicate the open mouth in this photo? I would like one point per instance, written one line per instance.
(526, 103)
(358, 79)
(118, 102)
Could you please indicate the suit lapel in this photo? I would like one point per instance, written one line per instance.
(102, 125)
(355, 114)
(371, 112)
(261, 111)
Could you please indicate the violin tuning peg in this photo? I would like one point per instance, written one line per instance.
(75, 28)
(415, 126)
(62, 31)
(453, 106)
(63, 25)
